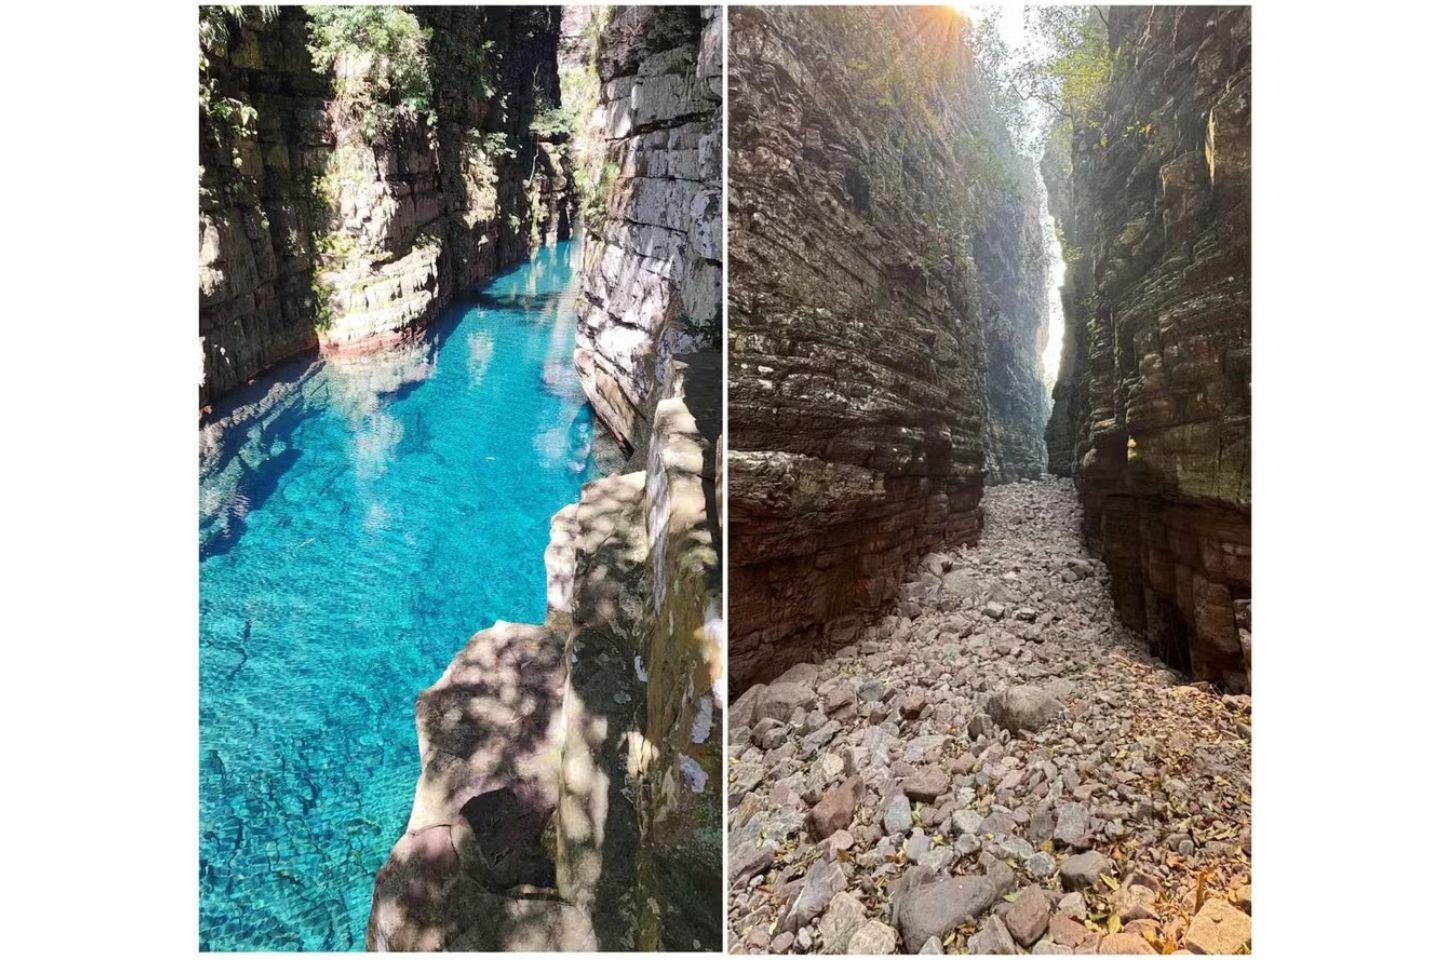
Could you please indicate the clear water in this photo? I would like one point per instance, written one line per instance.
(358, 524)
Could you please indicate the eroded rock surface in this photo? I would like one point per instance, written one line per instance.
(1128, 784)
(473, 869)
(861, 407)
(1151, 411)
(572, 772)
(632, 789)
(652, 265)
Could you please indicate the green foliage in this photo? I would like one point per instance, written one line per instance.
(214, 26)
(470, 66)
(1053, 83)
(379, 60)
(224, 120)
(592, 191)
(553, 122)
(578, 98)
(1074, 74)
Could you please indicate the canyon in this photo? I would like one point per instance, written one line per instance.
(356, 200)
(989, 656)
(318, 230)
(937, 303)
(572, 771)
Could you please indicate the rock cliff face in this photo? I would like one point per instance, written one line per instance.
(575, 802)
(1151, 411)
(654, 242)
(1008, 251)
(316, 230)
(255, 271)
(866, 177)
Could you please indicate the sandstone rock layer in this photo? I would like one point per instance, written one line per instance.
(315, 232)
(1151, 412)
(654, 245)
(866, 176)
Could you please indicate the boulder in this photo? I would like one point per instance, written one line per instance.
(837, 808)
(874, 938)
(926, 784)
(935, 909)
(1081, 871)
(1023, 707)
(1026, 917)
(1219, 928)
(780, 700)
(993, 939)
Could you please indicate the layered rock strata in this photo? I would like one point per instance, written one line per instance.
(1011, 264)
(654, 244)
(256, 220)
(867, 174)
(1151, 413)
(316, 231)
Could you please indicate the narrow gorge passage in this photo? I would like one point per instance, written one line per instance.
(358, 519)
(978, 710)
(461, 652)
(1004, 720)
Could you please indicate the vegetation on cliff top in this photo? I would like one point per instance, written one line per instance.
(1050, 82)
(379, 60)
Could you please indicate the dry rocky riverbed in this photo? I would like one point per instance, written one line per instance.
(998, 767)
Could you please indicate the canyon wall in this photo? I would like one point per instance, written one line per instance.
(1151, 411)
(654, 232)
(867, 174)
(255, 272)
(1011, 266)
(333, 217)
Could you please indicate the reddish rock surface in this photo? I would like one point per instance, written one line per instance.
(1151, 409)
(863, 422)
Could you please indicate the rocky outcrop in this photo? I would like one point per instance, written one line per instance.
(472, 871)
(635, 576)
(264, 138)
(1151, 413)
(319, 230)
(572, 772)
(867, 174)
(654, 244)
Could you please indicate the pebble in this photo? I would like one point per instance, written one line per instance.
(898, 814)
(992, 938)
(1082, 870)
(1026, 917)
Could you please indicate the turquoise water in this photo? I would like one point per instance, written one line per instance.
(360, 522)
